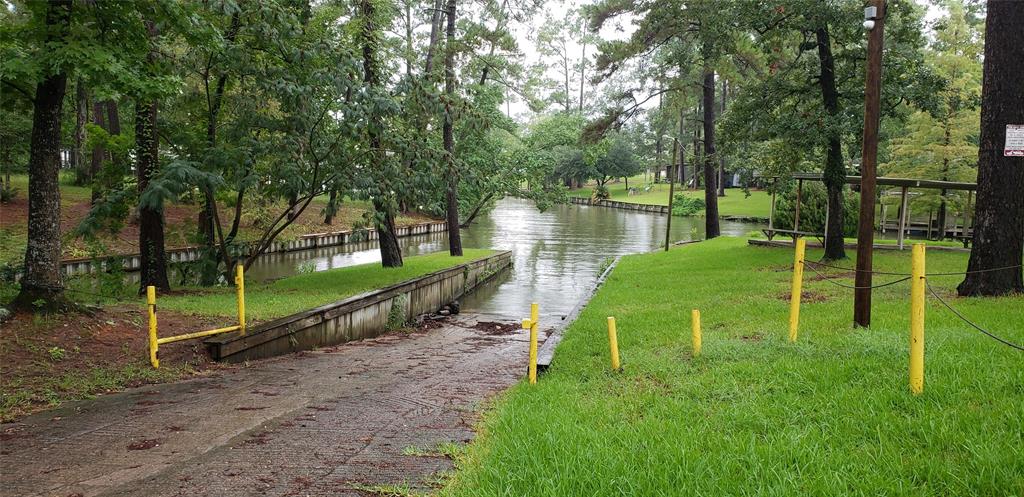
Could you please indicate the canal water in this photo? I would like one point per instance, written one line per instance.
(557, 254)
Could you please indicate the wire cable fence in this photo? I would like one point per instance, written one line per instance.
(968, 321)
(892, 273)
(976, 271)
(812, 266)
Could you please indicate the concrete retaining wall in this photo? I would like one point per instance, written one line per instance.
(132, 262)
(358, 317)
(658, 209)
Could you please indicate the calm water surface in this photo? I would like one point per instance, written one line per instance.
(557, 253)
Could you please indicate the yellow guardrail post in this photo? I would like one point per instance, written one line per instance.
(531, 324)
(695, 324)
(613, 343)
(240, 288)
(917, 283)
(798, 280)
(153, 345)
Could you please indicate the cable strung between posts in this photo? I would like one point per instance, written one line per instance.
(964, 319)
(854, 287)
(851, 269)
(1018, 266)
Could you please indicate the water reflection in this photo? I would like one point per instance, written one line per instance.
(557, 253)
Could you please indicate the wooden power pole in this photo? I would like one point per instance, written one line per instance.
(874, 22)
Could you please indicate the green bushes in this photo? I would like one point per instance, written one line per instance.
(600, 193)
(813, 202)
(685, 205)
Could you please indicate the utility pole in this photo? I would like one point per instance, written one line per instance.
(671, 192)
(874, 22)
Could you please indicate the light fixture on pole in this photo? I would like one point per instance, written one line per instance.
(870, 16)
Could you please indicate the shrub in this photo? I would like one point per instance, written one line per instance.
(7, 193)
(813, 202)
(600, 193)
(685, 205)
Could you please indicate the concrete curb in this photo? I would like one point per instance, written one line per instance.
(546, 354)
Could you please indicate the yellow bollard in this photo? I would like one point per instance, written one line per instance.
(917, 282)
(798, 281)
(532, 325)
(153, 346)
(240, 288)
(695, 324)
(613, 343)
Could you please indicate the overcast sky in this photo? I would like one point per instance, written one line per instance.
(619, 28)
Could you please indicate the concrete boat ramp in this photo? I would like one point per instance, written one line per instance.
(339, 421)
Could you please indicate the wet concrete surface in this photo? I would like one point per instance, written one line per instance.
(330, 422)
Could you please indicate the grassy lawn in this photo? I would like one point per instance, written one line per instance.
(180, 220)
(907, 242)
(306, 291)
(755, 415)
(735, 202)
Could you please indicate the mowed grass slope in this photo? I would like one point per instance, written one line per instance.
(734, 203)
(755, 415)
(306, 291)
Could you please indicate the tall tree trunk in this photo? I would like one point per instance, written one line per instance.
(711, 226)
(332, 207)
(565, 69)
(945, 177)
(99, 153)
(41, 285)
(999, 213)
(448, 132)
(152, 256)
(696, 146)
(834, 176)
(721, 160)
(409, 57)
(208, 216)
(370, 38)
(78, 163)
(435, 34)
(682, 146)
(106, 115)
(657, 142)
(583, 74)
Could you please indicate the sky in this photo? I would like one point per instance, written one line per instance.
(620, 28)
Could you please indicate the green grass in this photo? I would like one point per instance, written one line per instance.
(755, 415)
(306, 291)
(68, 191)
(907, 242)
(22, 396)
(735, 202)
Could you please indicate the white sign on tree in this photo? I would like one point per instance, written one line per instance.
(1014, 141)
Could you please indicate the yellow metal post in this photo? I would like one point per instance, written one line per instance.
(240, 288)
(151, 305)
(534, 317)
(695, 324)
(798, 281)
(613, 343)
(917, 279)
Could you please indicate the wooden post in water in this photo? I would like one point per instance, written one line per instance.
(671, 193)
